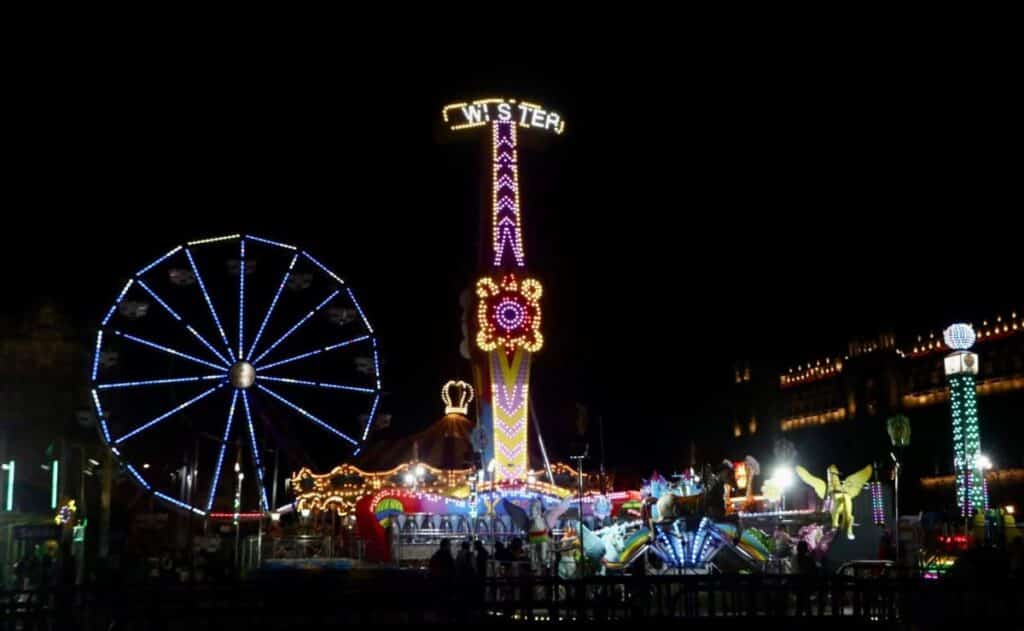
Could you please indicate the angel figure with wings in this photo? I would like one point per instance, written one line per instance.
(838, 494)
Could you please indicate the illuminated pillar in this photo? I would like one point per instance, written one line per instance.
(968, 470)
(508, 315)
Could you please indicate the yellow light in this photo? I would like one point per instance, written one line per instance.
(1010, 509)
(214, 239)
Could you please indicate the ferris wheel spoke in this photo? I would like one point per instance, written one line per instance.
(165, 349)
(307, 414)
(209, 303)
(241, 302)
(188, 327)
(255, 452)
(298, 324)
(332, 347)
(318, 384)
(273, 303)
(155, 382)
(168, 414)
(223, 448)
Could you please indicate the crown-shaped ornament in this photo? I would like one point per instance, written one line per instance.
(457, 395)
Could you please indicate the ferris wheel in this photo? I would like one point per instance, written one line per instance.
(222, 352)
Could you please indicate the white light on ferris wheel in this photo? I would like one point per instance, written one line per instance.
(959, 337)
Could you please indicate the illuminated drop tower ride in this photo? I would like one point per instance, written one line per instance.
(507, 301)
(968, 462)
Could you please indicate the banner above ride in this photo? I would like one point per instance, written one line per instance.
(470, 114)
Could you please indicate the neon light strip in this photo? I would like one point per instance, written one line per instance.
(96, 355)
(167, 350)
(54, 476)
(209, 303)
(207, 344)
(153, 382)
(214, 239)
(345, 343)
(157, 262)
(160, 300)
(359, 309)
(241, 301)
(318, 384)
(297, 325)
(113, 307)
(323, 267)
(376, 363)
(243, 516)
(99, 413)
(137, 476)
(167, 414)
(268, 241)
(306, 414)
(223, 448)
(168, 498)
(273, 303)
(293, 358)
(187, 326)
(255, 452)
(369, 421)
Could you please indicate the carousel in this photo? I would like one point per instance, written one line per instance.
(440, 490)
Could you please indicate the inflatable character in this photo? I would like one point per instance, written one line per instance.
(839, 494)
(537, 524)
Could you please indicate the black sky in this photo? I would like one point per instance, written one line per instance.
(695, 211)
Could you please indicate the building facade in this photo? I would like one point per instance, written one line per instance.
(833, 409)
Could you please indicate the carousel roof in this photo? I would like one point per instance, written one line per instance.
(445, 445)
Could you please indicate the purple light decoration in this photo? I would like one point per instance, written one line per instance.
(510, 314)
(509, 400)
(505, 213)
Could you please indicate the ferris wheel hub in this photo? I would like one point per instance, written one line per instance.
(243, 375)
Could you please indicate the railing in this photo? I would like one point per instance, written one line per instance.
(402, 596)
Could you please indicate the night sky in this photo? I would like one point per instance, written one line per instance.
(692, 214)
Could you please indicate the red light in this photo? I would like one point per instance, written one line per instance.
(232, 515)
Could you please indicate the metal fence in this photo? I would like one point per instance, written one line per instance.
(411, 597)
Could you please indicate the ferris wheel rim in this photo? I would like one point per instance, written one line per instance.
(227, 364)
